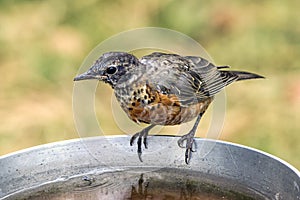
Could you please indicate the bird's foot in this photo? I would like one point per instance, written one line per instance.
(142, 136)
(189, 138)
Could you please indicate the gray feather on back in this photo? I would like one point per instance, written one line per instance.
(192, 79)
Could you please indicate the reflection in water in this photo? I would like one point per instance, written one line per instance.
(141, 190)
(129, 185)
(155, 189)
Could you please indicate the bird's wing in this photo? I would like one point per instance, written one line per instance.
(167, 73)
(191, 79)
(212, 79)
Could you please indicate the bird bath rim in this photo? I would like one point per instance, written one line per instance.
(59, 161)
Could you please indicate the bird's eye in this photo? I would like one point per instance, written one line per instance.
(111, 70)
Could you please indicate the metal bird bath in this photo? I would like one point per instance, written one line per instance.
(108, 168)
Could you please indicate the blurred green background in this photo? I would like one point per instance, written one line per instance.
(43, 43)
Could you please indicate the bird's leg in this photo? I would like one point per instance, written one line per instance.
(142, 134)
(189, 138)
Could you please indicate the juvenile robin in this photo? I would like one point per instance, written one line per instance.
(163, 89)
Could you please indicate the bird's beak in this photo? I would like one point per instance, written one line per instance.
(90, 74)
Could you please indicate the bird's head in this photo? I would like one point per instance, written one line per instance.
(110, 67)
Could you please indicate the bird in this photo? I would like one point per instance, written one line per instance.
(163, 89)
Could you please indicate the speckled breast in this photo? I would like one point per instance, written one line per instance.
(142, 103)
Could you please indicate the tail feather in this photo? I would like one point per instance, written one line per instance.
(241, 75)
(246, 75)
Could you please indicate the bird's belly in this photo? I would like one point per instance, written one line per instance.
(143, 104)
(161, 114)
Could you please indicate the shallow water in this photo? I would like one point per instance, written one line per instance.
(133, 185)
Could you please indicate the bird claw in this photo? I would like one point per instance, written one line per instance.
(188, 154)
(142, 136)
(181, 141)
(189, 138)
(133, 138)
(145, 141)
